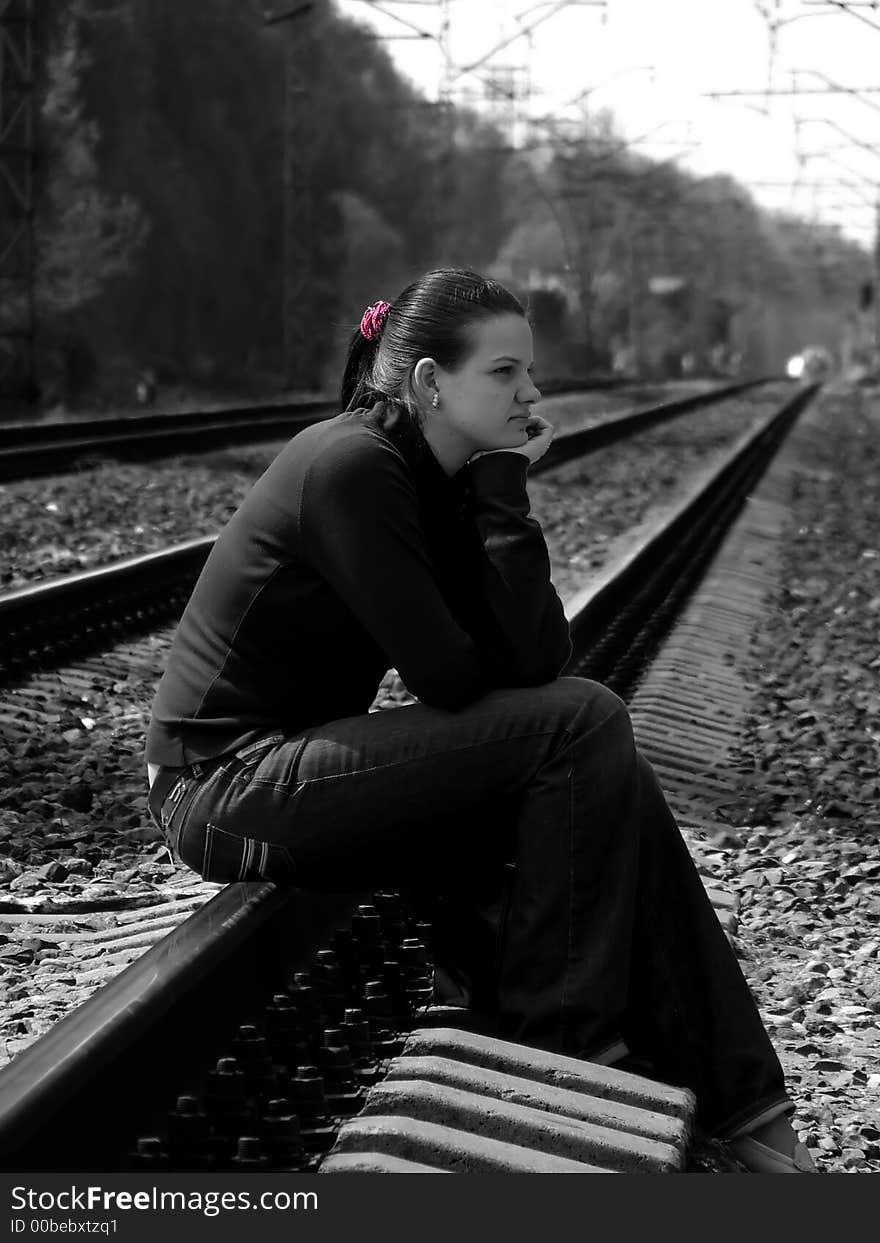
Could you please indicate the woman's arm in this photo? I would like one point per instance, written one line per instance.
(527, 613)
(361, 530)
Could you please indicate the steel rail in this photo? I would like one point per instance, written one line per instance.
(23, 431)
(28, 450)
(74, 1099)
(588, 440)
(79, 448)
(32, 448)
(30, 432)
(93, 603)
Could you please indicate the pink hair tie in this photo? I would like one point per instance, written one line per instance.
(373, 319)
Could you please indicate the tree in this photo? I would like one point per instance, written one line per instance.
(84, 237)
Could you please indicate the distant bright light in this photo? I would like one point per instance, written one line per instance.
(795, 367)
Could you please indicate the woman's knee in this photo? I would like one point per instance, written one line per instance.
(586, 704)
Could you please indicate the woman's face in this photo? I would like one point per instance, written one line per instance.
(486, 401)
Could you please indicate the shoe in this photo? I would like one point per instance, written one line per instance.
(759, 1159)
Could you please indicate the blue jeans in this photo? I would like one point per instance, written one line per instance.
(603, 926)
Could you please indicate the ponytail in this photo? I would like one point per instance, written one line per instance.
(362, 350)
(358, 369)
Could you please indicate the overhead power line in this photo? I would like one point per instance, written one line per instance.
(556, 7)
(848, 7)
(800, 90)
(856, 142)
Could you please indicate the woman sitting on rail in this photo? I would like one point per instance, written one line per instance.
(397, 534)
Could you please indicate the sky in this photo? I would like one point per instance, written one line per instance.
(654, 63)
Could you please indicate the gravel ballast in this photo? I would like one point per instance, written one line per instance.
(803, 850)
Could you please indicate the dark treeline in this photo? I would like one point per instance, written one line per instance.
(160, 215)
(160, 220)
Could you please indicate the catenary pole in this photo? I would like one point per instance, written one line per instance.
(301, 49)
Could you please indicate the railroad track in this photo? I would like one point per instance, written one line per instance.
(62, 1096)
(29, 449)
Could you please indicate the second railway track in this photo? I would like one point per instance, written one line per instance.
(38, 447)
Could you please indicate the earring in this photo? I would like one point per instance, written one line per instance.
(435, 400)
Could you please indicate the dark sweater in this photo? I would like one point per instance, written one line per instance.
(355, 553)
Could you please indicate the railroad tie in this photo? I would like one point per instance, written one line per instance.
(375, 1163)
(447, 1149)
(468, 1103)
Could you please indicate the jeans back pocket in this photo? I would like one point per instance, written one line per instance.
(223, 857)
